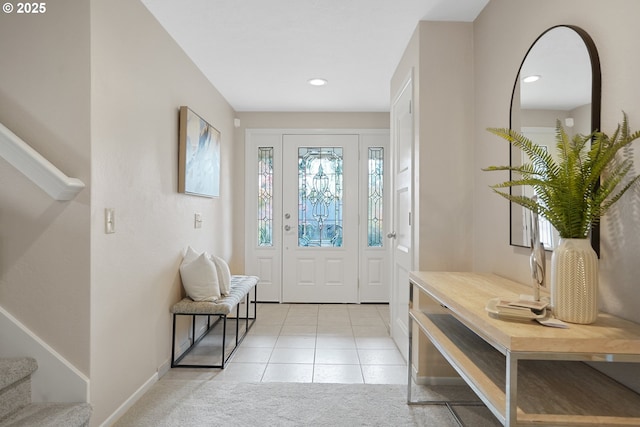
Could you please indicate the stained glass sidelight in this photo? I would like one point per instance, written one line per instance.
(265, 196)
(375, 208)
(320, 196)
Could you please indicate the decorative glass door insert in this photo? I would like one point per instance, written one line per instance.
(265, 196)
(375, 199)
(320, 197)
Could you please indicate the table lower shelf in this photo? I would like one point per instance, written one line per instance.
(549, 391)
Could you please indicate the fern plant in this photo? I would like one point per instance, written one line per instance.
(578, 189)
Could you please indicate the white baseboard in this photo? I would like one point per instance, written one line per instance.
(164, 368)
(435, 380)
(201, 330)
(130, 401)
(55, 377)
(181, 348)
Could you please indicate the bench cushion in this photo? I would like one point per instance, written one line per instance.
(240, 286)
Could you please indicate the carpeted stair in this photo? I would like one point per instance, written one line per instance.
(16, 408)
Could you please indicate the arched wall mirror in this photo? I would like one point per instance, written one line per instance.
(559, 79)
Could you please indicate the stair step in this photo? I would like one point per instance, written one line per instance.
(15, 384)
(14, 369)
(50, 415)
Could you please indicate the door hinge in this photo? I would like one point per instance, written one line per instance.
(409, 219)
(410, 107)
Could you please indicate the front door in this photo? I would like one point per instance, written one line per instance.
(320, 218)
(317, 215)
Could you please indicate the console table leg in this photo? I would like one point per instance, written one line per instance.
(410, 354)
(511, 416)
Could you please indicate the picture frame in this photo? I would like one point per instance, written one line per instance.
(199, 155)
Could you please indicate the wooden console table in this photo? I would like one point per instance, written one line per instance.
(526, 373)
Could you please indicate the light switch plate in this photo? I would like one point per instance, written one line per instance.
(197, 220)
(109, 221)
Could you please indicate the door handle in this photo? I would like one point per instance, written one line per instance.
(287, 227)
(392, 235)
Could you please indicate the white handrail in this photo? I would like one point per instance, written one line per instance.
(35, 167)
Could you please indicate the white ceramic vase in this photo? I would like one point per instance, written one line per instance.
(574, 281)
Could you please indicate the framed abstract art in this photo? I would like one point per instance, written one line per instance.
(199, 156)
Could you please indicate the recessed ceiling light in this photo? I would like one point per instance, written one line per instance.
(531, 79)
(318, 82)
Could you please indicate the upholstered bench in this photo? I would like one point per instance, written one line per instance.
(241, 287)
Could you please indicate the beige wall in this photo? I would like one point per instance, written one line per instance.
(502, 34)
(140, 77)
(443, 151)
(446, 149)
(44, 244)
(284, 120)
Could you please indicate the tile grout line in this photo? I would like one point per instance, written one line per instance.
(354, 316)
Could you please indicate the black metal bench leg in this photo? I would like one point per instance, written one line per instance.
(237, 322)
(193, 329)
(246, 317)
(224, 339)
(173, 342)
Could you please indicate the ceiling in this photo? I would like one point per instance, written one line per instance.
(260, 54)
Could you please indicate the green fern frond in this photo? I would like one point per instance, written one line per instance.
(575, 191)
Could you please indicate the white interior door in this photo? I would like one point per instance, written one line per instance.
(320, 218)
(401, 236)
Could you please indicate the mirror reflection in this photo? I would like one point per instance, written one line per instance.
(554, 83)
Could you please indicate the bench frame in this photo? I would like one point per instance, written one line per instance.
(221, 317)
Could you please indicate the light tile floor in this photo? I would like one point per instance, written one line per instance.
(334, 343)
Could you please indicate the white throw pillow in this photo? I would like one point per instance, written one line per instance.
(190, 255)
(224, 274)
(200, 278)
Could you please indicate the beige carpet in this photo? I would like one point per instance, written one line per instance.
(217, 403)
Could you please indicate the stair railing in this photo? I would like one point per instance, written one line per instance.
(35, 167)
